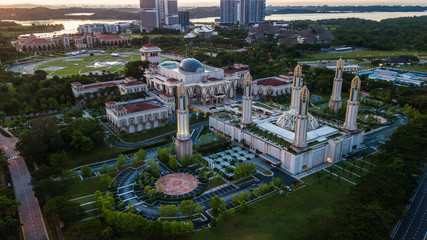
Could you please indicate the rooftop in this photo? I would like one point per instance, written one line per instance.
(139, 106)
(100, 85)
(271, 82)
(135, 83)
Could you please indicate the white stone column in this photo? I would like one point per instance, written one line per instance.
(350, 123)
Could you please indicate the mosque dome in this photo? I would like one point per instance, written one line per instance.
(288, 119)
(191, 65)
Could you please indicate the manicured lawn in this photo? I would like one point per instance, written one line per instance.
(99, 153)
(360, 54)
(420, 68)
(83, 64)
(215, 182)
(278, 217)
(83, 188)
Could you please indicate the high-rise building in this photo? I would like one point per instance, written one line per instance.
(158, 14)
(184, 18)
(230, 12)
(242, 11)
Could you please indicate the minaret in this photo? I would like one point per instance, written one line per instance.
(296, 88)
(247, 100)
(301, 121)
(335, 103)
(350, 123)
(183, 142)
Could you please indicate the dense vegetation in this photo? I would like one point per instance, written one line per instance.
(387, 34)
(9, 28)
(374, 205)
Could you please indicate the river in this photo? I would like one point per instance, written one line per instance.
(376, 16)
(70, 25)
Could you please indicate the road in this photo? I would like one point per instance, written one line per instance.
(29, 211)
(414, 224)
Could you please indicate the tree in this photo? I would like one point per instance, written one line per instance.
(168, 210)
(86, 171)
(87, 230)
(135, 69)
(153, 167)
(131, 208)
(121, 160)
(67, 211)
(105, 180)
(173, 164)
(244, 170)
(188, 207)
(139, 156)
(218, 205)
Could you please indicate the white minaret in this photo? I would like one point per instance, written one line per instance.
(296, 88)
(301, 121)
(150, 52)
(336, 103)
(350, 123)
(183, 143)
(247, 100)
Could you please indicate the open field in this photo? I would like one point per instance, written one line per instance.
(360, 54)
(81, 64)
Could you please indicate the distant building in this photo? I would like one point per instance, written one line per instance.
(315, 35)
(205, 31)
(138, 115)
(262, 32)
(252, 11)
(242, 12)
(400, 78)
(120, 27)
(40, 45)
(150, 52)
(230, 12)
(184, 19)
(271, 86)
(158, 14)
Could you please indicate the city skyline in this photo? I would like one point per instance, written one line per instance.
(190, 3)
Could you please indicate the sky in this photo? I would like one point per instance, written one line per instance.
(194, 3)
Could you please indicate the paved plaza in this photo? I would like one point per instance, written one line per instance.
(177, 183)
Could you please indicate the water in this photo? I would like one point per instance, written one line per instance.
(376, 16)
(70, 25)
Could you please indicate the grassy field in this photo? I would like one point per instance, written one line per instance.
(100, 153)
(279, 217)
(83, 188)
(420, 68)
(360, 54)
(80, 65)
(215, 182)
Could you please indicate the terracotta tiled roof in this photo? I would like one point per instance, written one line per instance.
(166, 94)
(172, 80)
(271, 82)
(108, 37)
(231, 71)
(140, 106)
(136, 83)
(212, 79)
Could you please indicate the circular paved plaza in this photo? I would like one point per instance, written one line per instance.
(177, 183)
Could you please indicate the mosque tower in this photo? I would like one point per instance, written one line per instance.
(335, 103)
(296, 88)
(247, 101)
(183, 142)
(300, 141)
(350, 123)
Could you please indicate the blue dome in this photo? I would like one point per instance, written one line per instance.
(191, 65)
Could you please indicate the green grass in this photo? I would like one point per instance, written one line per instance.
(360, 54)
(154, 132)
(215, 182)
(420, 68)
(278, 217)
(84, 66)
(83, 188)
(98, 154)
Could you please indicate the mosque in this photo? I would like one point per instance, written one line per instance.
(294, 139)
